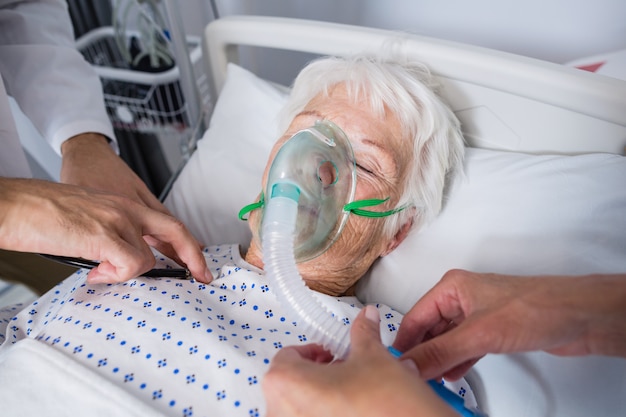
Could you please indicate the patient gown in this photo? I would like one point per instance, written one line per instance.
(183, 348)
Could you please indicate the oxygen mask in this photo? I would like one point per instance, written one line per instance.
(315, 167)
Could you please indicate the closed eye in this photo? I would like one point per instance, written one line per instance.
(362, 168)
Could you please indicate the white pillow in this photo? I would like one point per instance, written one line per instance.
(224, 173)
(512, 213)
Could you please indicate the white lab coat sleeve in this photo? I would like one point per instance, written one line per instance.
(50, 80)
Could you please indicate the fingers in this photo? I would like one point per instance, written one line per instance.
(297, 366)
(108, 273)
(125, 253)
(437, 333)
(73, 221)
(450, 354)
(430, 316)
(290, 355)
(460, 370)
(167, 250)
(122, 258)
(172, 232)
(365, 331)
(294, 354)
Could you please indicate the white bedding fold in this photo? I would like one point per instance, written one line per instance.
(38, 380)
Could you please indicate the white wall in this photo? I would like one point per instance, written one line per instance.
(553, 30)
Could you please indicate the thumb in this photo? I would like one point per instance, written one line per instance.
(365, 331)
(449, 351)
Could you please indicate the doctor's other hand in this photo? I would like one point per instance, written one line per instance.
(61, 219)
(89, 161)
(370, 382)
(467, 315)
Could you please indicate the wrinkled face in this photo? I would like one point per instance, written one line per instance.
(382, 158)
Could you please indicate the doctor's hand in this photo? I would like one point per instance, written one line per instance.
(370, 382)
(467, 315)
(60, 219)
(89, 161)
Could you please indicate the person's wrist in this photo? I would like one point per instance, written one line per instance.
(5, 204)
(605, 330)
(20, 200)
(80, 141)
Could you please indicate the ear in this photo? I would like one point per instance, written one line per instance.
(400, 235)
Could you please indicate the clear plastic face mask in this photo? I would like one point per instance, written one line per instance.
(316, 168)
(319, 162)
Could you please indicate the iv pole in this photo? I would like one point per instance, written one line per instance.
(187, 84)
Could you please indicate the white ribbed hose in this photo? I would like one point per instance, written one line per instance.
(320, 325)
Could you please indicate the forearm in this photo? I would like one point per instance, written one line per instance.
(20, 205)
(604, 298)
(576, 315)
(83, 144)
(566, 315)
(5, 208)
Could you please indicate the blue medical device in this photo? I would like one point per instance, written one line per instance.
(453, 400)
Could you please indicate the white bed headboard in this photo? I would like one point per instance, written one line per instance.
(504, 101)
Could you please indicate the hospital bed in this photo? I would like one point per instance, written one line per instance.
(542, 191)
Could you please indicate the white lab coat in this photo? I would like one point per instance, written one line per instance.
(49, 79)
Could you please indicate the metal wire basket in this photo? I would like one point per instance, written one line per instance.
(147, 101)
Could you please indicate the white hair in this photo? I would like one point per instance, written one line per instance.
(393, 80)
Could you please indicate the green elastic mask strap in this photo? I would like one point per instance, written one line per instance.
(247, 209)
(355, 207)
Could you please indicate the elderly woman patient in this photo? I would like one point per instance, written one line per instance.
(187, 348)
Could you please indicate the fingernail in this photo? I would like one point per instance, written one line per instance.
(371, 313)
(208, 275)
(410, 365)
(96, 280)
(96, 277)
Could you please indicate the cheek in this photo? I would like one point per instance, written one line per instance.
(360, 236)
(254, 222)
(367, 188)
